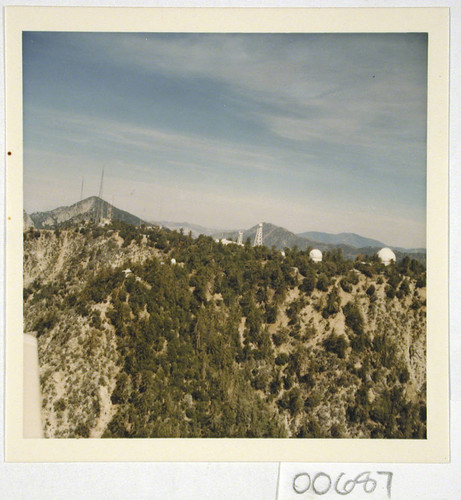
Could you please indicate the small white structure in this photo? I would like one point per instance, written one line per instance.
(386, 255)
(225, 241)
(282, 252)
(173, 261)
(316, 255)
(240, 238)
(127, 272)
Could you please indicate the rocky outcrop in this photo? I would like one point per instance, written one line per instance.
(91, 209)
(28, 222)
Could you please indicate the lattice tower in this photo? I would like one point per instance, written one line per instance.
(259, 236)
(101, 203)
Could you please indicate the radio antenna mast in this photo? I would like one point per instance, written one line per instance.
(101, 184)
(81, 191)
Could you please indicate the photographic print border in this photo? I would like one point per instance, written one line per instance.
(434, 21)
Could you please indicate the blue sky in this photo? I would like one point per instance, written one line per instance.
(321, 132)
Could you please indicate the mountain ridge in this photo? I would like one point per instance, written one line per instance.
(94, 208)
(351, 239)
(187, 227)
(89, 209)
(198, 340)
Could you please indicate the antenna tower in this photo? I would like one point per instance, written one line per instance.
(81, 190)
(259, 236)
(101, 208)
(109, 210)
(102, 183)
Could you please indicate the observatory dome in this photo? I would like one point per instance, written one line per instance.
(386, 255)
(316, 255)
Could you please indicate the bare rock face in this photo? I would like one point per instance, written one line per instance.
(90, 209)
(28, 222)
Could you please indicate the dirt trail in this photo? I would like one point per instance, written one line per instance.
(61, 255)
(107, 412)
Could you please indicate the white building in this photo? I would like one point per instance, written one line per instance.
(386, 255)
(225, 241)
(316, 255)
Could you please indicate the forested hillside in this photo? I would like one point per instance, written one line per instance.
(146, 332)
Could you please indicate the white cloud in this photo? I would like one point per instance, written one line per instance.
(345, 82)
(116, 135)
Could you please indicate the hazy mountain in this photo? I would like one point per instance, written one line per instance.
(356, 241)
(28, 222)
(272, 236)
(351, 239)
(90, 209)
(410, 250)
(94, 208)
(196, 229)
(281, 238)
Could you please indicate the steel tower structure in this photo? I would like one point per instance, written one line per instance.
(259, 236)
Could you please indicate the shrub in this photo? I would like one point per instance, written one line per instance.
(82, 430)
(404, 376)
(45, 323)
(271, 313)
(333, 304)
(59, 405)
(280, 337)
(390, 292)
(336, 344)
(313, 400)
(352, 278)
(282, 359)
(354, 318)
(421, 281)
(346, 285)
(323, 282)
(371, 290)
(404, 287)
(309, 283)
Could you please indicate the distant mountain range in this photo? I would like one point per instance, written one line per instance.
(351, 239)
(280, 238)
(276, 236)
(195, 229)
(95, 208)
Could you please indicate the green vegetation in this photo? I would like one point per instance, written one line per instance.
(232, 341)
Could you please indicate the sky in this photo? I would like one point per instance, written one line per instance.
(311, 132)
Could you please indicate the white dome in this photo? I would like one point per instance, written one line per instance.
(316, 255)
(386, 255)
